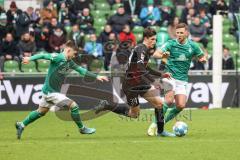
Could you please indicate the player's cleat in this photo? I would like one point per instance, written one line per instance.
(19, 129)
(86, 130)
(152, 130)
(167, 134)
(102, 106)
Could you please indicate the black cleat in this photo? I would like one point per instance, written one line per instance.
(19, 129)
(102, 106)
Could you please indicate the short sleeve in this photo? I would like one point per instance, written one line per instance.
(166, 46)
(197, 50)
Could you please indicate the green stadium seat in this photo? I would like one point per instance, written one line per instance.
(102, 6)
(138, 29)
(11, 66)
(227, 22)
(100, 13)
(99, 29)
(31, 67)
(228, 38)
(43, 65)
(87, 37)
(157, 28)
(225, 29)
(233, 46)
(139, 37)
(100, 22)
(234, 52)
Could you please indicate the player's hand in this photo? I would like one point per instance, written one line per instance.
(202, 59)
(102, 78)
(26, 60)
(167, 75)
(165, 54)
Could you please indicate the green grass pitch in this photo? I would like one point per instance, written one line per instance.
(213, 135)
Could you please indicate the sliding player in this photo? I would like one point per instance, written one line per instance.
(61, 64)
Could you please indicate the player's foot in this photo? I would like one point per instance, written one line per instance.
(103, 105)
(19, 129)
(152, 130)
(167, 134)
(86, 130)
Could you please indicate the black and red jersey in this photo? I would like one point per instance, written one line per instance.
(137, 71)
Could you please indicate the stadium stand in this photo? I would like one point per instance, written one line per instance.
(68, 13)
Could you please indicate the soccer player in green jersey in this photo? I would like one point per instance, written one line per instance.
(182, 50)
(61, 64)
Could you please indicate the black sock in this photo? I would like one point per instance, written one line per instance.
(121, 110)
(159, 119)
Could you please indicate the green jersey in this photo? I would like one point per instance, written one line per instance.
(58, 69)
(179, 61)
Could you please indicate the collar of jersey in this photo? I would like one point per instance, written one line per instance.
(182, 44)
(65, 58)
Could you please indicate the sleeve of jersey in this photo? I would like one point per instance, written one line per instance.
(165, 47)
(198, 51)
(140, 65)
(41, 56)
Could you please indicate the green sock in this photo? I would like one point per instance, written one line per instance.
(172, 113)
(34, 115)
(165, 108)
(76, 117)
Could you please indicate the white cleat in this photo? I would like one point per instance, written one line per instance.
(152, 130)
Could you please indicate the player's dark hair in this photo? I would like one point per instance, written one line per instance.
(149, 32)
(182, 25)
(71, 45)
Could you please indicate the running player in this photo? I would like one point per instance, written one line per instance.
(138, 81)
(61, 64)
(182, 50)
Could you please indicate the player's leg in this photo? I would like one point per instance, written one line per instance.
(152, 96)
(168, 100)
(169, 86)
(61, 101)
(180, 101)
(74, 109)
(132, 110)
(32, 116)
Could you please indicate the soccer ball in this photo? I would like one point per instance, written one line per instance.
(180, 128)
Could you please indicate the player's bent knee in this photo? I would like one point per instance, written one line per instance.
(158, 105)
(133, 115)
(43, 111)
(180, 106)
(72, 104)
(67, 104)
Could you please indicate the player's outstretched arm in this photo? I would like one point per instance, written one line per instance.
(46, 56)
(84, 72)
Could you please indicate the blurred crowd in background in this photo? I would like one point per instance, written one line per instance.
(101, 28)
